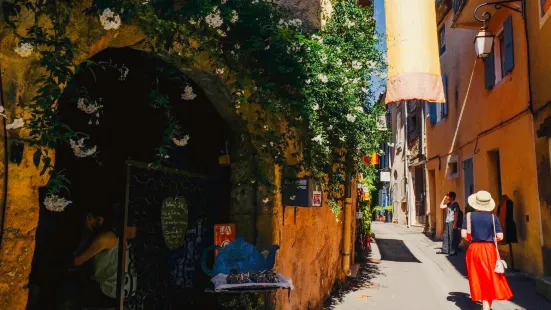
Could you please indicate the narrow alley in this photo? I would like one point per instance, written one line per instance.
(412, 276)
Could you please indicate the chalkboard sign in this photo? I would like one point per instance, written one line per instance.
(174, 217)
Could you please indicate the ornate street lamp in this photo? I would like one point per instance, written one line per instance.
(484, 40)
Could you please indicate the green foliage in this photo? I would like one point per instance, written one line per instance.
(315, 81)
(246, 301)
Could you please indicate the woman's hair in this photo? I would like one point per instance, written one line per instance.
(452, 195)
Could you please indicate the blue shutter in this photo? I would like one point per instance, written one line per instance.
(489, 71)
(432, 113)
(445, 104)
(509, 46)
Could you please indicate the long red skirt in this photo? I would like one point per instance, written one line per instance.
(485, 284)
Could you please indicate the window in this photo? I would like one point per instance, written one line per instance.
(494, 172)
(452, 168)
(442, 39)
(499, 57)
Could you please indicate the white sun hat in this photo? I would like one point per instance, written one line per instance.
(482, 201)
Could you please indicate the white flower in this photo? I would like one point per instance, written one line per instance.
(237, 46)
(219, 71)
(79, 149)
(338, 62)
(109, 20)
(271, 144)
(214, 19)
(267, 48)
(342, 138)
(181, 142)
(188, 93)
(316, 107)
(356, 65)
(266, 200)
(223, 1)
(330, 127)
(359, 109)
(349, 23)
(234, 17)
(24, 49)
(88, 109)
(323, 58)
(55, 203)
(2, 112)
(193, 21)
(124, 72)
(318, 139)
(323, 78)
(351, 118)
(221, 33)
(308, 81)
(17, 123)
(297, 23)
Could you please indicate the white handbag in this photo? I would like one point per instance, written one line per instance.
(501, 265)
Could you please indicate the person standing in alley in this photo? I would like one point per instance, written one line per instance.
(449, 243)
(483, 229)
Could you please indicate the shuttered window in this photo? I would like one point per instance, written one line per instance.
(509, 52)
(489, 71)
(445, 104)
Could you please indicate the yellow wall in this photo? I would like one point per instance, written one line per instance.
(472, 129)
(539, 33)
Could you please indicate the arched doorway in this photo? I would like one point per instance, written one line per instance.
(118, 181)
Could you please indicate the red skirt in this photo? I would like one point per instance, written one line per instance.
(485, 284)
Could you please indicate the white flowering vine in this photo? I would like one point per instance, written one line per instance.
(181, 142)
(323, 78)
(80, 150)
(109, 20)
(188, 93)
(55, 203)
(2, 112)
(16, 124)
(234, 17)
(356, 65)
(214, 19)
(24, 49)
(351, 118)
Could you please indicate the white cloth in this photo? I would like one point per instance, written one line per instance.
(221, 283)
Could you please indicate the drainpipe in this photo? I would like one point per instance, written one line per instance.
(347, 235)
(406, 168)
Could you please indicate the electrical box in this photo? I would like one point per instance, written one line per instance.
(302, 192)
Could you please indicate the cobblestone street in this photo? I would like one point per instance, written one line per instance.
(412, 276)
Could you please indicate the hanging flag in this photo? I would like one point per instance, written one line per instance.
(366, 159)
(375, 159)
(412, 50)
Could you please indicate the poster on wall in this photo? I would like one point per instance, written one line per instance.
(316, 199)
(223, 235)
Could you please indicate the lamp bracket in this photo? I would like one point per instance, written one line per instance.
(485, 16)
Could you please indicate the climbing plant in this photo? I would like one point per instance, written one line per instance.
(307, 85)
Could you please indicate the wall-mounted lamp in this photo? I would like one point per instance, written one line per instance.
(484, 40)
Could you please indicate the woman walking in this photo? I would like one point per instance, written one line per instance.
(483, 229)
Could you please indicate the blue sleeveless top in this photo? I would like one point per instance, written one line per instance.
(482, 229)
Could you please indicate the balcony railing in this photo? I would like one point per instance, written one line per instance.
(457, 4)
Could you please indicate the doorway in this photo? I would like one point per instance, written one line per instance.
(494, 172)
(468, 181)
(433, 202)
(420, 206)
(131, 126)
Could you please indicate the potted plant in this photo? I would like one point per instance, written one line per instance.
(376, 212)
(389, 210)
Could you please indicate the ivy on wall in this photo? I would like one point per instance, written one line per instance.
(307, 85)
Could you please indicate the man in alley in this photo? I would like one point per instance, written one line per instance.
(450, 238)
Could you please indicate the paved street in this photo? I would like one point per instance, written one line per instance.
(412, 276)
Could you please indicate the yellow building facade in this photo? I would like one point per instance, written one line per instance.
(482, 137)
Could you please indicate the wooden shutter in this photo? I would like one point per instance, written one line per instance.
(445, 104)
(432, 113)
(489, 71)
(509, 46)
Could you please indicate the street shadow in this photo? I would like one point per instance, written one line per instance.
(395, 251)
(367, 273)
(463, 301)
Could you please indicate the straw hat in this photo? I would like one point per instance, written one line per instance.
(482, 201)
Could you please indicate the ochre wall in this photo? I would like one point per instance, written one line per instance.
(468, 119)
(539, 32)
